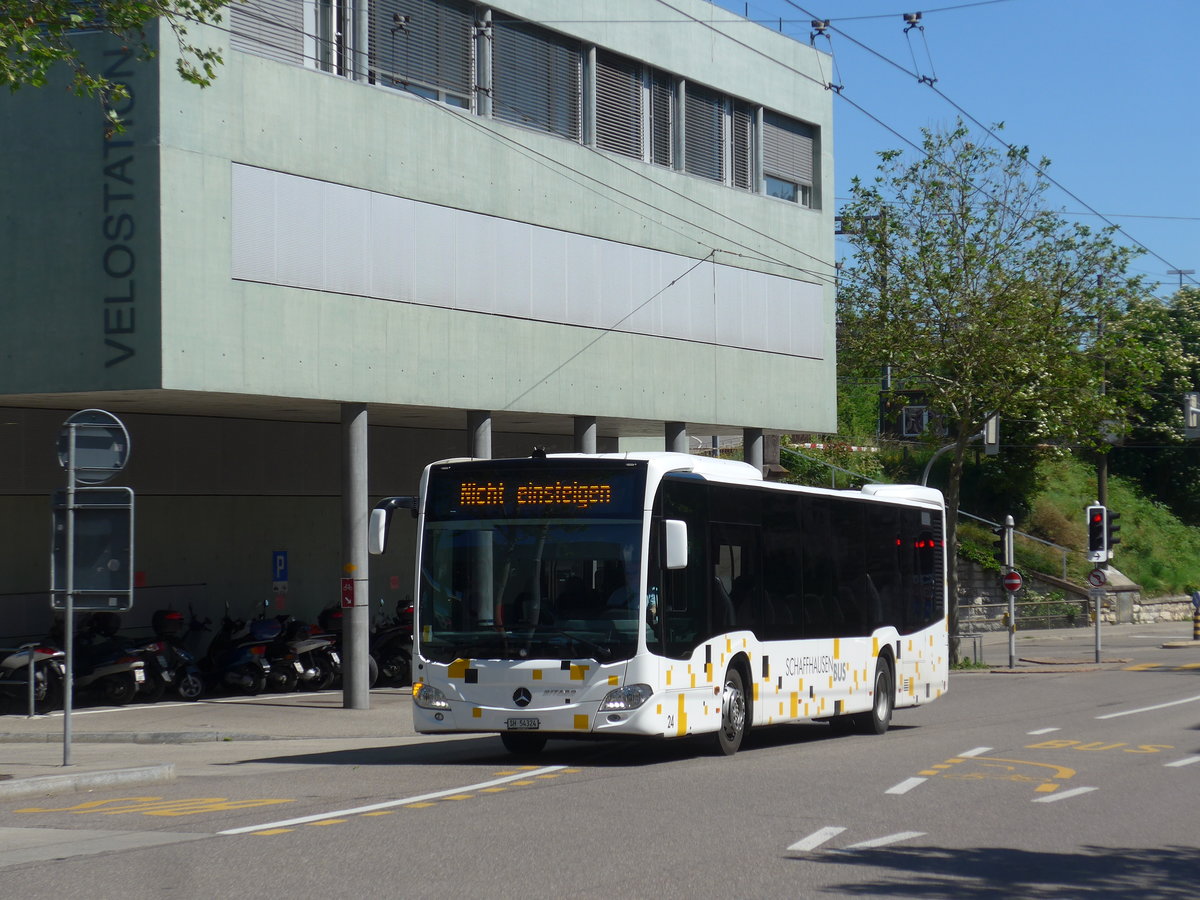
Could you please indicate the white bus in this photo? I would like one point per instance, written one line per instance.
(665, 595)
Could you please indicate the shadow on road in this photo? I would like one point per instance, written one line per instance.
(1094, 873)
(487, 751)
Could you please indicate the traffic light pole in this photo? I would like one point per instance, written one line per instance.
(1009, 561)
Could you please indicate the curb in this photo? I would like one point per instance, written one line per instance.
(137, 737)
(85, 781)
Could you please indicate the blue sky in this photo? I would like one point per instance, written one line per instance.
(1109, 90)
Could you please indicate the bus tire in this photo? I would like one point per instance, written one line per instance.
(733, 713)
(520, 743)
(882, 703)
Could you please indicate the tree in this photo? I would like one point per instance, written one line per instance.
(1156, 454)
(38, 35)
(962, 281)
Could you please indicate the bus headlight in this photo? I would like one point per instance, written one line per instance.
(428, 697)
(626, 698)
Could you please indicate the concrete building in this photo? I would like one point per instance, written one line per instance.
(459, 228)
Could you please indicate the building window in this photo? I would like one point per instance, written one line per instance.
(423, 46)
(271, 28)
(741, 145)
(788, 166)
(537, 78)
(704, 133)
(662, 119)
(618, 104)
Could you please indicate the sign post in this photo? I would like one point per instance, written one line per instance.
(1012, 583)
(1097, 597)
(93, 446)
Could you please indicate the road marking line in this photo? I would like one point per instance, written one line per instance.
(1074, 792)
(1042, 731)
(1186, 761)
(976, 752)
(272, 831)
(1130, 712)
(816, 839)
(905, 786)
(884, 841)
(387, 804)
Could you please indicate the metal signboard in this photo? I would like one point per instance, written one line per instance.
(103, 552)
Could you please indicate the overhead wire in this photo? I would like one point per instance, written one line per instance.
(1040, 170)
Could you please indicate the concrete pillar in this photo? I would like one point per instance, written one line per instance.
(752, 447)
(585, 434)
(677, 437)
(356, 620)
(479, 433)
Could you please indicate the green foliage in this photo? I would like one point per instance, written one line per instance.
(38, 35)
(1157, 550)
(1156, 453)
(974, 292)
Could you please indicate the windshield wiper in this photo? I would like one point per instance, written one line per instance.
(601, 652)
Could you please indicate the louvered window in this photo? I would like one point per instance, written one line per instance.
(537, 78)
(270, 28)
(618, 105)
(704, 137)
(788, 164)
(662, 118)
(423, 46)
(741, 137)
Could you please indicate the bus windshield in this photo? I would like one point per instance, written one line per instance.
(553, 588)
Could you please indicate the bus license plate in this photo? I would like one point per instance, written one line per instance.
(527, 724)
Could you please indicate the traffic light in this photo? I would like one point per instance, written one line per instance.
(1110, 531)
(1004, 543)
(1097, 525)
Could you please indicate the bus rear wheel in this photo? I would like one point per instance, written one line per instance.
(884, 701)
(733, 713)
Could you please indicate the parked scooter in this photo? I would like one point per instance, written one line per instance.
(330, 621)
(311, 655)
(103, 665)
(48, 668)
(237, 655)
(391, 646)
(169, 664)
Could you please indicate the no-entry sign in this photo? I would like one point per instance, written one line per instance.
(1012, 581)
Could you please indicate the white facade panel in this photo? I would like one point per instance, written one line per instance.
(299, 232)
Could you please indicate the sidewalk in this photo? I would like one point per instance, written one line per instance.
(153, 743)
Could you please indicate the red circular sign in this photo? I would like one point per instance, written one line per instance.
(1012, 581)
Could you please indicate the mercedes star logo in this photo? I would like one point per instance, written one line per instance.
(522, 697)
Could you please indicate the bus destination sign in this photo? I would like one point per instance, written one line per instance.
(528, 491)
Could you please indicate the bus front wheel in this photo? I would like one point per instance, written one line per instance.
(733, 713)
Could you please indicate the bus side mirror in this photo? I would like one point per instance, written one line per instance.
(381, 520)
(675, 534)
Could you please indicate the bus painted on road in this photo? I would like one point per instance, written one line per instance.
(666, 595)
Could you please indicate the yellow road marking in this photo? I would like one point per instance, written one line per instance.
(271, 831)
(329, 822)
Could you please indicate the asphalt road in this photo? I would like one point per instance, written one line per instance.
(1079, 783)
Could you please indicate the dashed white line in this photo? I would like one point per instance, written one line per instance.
(420, 798)
(816, 839)
(1065, 795)
(884, 841)
(1042, 731)
(977, 751)
(905, 786)
(1131, 712)
(1186, 761)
